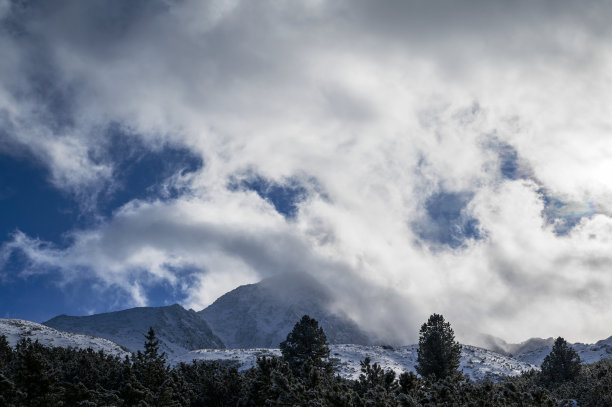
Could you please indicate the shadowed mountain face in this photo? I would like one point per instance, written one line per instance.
(177, 329)
(261, 315)
(251, 316)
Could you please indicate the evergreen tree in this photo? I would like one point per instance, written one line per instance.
(306, 347)
(6, 352)
(33, 374)
(150, 366)
(562, 364)
(438, 354)
(151, 345)
(374, 382)
(8, 392)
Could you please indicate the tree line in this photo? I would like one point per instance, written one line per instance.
(35, 375)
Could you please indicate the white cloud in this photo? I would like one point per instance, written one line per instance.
(383, 107)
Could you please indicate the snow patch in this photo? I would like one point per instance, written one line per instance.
(17, 329)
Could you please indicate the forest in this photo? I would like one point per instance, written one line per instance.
(35, 375)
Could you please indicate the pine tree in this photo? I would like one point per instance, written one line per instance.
(306, 347)
(561, 364)
(438, 354)
(6, 352)
(150, 366)
(33, 374)
(152, 347)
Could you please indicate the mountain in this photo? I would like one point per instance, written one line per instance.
(177, 329)
(499, 345)
(588, 353)
(16, 329)
(261, 315)
(534, 350)
(478, 363)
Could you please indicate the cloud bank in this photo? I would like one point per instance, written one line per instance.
(417, 157)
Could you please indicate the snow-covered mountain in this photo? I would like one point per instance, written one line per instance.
(177, 329)
(499, 345)
(16, 329)
(588, 353)
(261, 315)
(534, 350)
(476, 362)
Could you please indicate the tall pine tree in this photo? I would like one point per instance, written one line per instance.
(562, 364)
(439, 354)
(306, 347)
(150, 366)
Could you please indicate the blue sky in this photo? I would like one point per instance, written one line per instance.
(414, 157)
(32, 205)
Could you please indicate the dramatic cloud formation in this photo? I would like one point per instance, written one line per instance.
(418, 157)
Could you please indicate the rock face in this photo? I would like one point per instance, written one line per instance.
(261, 315)
(177, 329)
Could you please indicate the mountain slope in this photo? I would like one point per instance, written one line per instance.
(534, 350)
(588, 353)
(261, 315)
(177, 329)
(16, 329)
(499, 345)
(476, 362)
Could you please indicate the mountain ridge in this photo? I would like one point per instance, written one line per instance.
(177, 329)
(261, 315)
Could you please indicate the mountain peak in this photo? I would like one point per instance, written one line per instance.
(262, 314)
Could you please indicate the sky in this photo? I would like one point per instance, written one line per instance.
(416, 157)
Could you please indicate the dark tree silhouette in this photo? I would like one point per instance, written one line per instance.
(439, 354)
(150, 366)
(561, 364)
(306, 346)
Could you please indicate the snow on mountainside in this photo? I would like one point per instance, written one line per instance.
(476, 362)
(499, 345)
(261, 315)
(588, 353)
(16, 329)
(177, 329)
(534, 350)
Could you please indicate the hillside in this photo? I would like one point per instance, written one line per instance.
(16, 329)
(476, 362)
(588, 353)
(534, 350)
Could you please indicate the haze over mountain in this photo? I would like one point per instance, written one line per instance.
(255, 315)
(177, 329)
(499, 345)
(261, 315)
